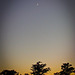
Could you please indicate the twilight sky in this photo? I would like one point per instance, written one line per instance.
(33, 30)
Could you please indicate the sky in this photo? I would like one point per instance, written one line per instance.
(37, 30)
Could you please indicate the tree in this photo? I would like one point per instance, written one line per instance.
(38, 68)
(26, 74)
(67, 69)
(57, 73)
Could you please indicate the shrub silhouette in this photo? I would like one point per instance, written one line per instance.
(38, 69)
(8, 72)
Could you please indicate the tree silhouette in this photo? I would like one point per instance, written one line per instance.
(8, 72)
(66, 69)
(57, 73)
(38, 68)
(26, 74)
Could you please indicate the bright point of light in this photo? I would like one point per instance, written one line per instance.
(37, 4)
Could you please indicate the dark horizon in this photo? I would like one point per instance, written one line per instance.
(40, 68)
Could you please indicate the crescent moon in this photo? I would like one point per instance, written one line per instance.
(37, 4)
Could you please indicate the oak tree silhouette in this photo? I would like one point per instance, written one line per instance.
(38, 69)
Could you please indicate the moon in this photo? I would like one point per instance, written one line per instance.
(37, 4)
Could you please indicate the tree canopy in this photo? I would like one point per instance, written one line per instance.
(38, 69)
(67, 69)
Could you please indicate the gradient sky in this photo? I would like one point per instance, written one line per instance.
(36, 30)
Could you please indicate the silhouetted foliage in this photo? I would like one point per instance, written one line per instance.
(57, 73)
(26, 74)
(8, 72)
(67, 69)
(38, 68)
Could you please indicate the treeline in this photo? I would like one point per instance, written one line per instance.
(39, 69)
